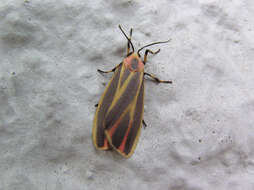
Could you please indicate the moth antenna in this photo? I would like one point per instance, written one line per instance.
(126, 37)
(153, 44)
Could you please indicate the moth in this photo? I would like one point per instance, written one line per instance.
(119, 114)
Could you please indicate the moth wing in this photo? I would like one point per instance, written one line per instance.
(124, 119)
(99, 139)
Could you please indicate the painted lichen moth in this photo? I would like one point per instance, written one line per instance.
(119, 113)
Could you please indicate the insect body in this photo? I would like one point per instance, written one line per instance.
(119, 114)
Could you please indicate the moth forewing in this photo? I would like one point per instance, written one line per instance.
(123, 125)
(99, 138)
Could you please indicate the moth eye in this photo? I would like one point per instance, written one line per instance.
(134, 63)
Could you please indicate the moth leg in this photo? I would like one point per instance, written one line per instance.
(112, 70)
(149, 51)
(128, 43)
(157, 79)
(144, 123)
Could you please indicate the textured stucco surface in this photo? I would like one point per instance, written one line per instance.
(200, 133)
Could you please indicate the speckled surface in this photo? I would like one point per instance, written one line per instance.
(200, 133)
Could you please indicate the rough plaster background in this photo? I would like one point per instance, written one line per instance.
(200, 129)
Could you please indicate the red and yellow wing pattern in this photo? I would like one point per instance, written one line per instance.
(119, 115)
